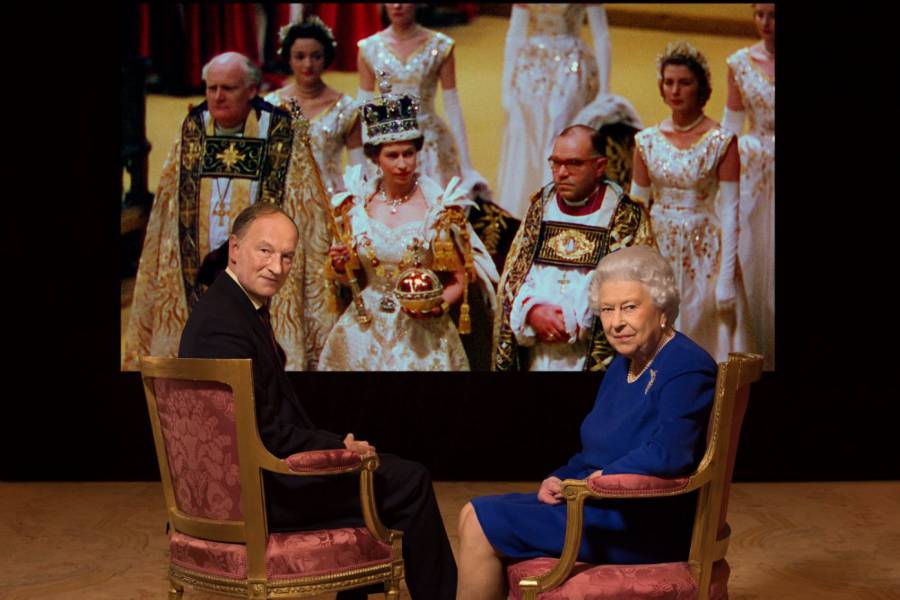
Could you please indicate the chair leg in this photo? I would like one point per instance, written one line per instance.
(392, 589)
(175, 590)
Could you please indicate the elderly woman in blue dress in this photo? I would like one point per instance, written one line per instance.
(650, 418)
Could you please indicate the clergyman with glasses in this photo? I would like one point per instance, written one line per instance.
(545, 321)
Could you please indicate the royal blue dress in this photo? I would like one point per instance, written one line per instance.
(654, 426)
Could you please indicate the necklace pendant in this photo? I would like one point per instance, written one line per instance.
(393, 210)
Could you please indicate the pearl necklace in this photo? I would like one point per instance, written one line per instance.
(395, 202)
(665, 340)
(689, 126)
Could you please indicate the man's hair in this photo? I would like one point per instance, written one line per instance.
(254, 211)
(598, 140)
(252, 73)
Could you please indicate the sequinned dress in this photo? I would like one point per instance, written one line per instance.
(328, 133)
(756, 246)
(653, 426)
(418, 75)
(394, 341)
(549, 76)
(685, 221)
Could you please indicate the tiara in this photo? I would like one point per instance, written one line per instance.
(390, 117)
(313, 20)
(684, 50)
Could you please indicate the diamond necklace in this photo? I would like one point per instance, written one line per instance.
(395, 202)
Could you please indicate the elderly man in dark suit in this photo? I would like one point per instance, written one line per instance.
(231, 320)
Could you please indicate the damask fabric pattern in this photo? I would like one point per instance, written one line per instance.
(756, 246)
(197, 420)
(328, 133)
(418, 75)
(302, 312)
(288, 555)
(554, 76)
(662, 581)
(685, 221)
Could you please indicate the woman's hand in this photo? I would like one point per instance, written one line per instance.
(361, 447)
(551, 491)
(339, 255)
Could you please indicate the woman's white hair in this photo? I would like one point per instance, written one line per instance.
(644, 265)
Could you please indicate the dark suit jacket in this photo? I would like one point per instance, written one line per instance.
(224, 324)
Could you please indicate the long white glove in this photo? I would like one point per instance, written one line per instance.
(362, 96)
(640, 194)
(729, 194)
(602, 46)
(453, 110)
(515, 37)
(733, 121)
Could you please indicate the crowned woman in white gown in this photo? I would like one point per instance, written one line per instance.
(751, 94)
(551, 80)
(398, 221)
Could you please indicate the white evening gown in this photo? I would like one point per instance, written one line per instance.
(328, 133)
(685, 220)
(550, 74)
(756, 246)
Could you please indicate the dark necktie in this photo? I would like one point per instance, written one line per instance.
(267, 321)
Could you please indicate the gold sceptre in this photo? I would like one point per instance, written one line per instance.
(300, 122)
(340, 234)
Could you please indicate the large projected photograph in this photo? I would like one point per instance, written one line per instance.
(455, 174)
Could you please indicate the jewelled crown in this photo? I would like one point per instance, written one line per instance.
(390, 117)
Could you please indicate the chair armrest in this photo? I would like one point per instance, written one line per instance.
(628, 485)
(324, 462)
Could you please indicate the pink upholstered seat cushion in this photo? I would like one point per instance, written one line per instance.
(288, 555)
(664, 581)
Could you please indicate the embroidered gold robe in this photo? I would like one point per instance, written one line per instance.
(629, 225)
(270, 162)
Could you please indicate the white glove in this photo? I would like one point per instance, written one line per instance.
(362, 96)
(733, 121)
(602, 46)
(729, 192)
(639, 193)
(453, 110)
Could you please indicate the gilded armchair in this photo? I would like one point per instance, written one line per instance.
(705, 574)
(211, 460)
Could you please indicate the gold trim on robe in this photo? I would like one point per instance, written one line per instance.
(177, 238)
(630, 225)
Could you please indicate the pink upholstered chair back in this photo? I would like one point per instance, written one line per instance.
(197, 423)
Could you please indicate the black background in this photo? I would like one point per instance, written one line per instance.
(826, 414)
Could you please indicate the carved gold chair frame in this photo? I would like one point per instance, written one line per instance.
(708, 545)
(253, 531)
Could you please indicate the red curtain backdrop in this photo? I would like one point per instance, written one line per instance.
(350, 23)
(180, 38)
